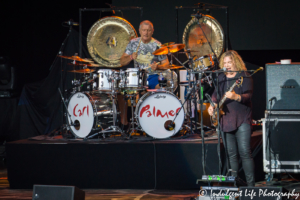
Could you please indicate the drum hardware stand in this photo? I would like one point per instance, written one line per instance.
(65, 126)
(133, 119)
(112, 128)
(172, 125)
(171, 62)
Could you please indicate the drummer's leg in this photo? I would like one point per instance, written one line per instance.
(123, 104)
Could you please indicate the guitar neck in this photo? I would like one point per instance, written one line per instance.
(224, 98)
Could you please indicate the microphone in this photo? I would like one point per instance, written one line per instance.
(259, 69)
(72, 23)
(273, 98)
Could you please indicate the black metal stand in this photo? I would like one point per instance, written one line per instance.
(63, 95)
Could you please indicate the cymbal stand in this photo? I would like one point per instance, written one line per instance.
(112, 129)
(133, 121)
(172, 79)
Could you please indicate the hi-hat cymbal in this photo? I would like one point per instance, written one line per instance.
(82, 71)
(172, 67)
(77, 58)
(87, 64)
(168, 49)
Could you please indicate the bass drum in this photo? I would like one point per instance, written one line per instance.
(156, 110)
(89, 113)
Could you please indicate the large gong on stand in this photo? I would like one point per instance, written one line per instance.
(195, 40)
(107, 40)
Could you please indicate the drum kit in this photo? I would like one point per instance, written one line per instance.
(158, 113)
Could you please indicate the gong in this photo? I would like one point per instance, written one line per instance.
(107, 40)
(195, 40)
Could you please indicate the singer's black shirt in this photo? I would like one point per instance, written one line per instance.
(236, 113)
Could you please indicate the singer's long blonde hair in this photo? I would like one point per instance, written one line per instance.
(235, 57)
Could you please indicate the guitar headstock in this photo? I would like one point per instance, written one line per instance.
(239, 81)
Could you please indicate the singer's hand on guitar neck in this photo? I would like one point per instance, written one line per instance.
(232, 95)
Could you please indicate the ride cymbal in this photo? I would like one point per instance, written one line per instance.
(87, 64)
(82, 71)
(168, 49)
(77, 58)
(172, 67)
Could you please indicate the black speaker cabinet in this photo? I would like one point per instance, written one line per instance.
(282, 84)
(57, 192)
(256, 193)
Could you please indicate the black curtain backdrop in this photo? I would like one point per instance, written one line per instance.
(40, 107)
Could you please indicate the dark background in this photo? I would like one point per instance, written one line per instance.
(261, 31)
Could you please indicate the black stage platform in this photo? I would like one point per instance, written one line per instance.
(115, 163)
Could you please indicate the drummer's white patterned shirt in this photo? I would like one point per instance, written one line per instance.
(145, 56)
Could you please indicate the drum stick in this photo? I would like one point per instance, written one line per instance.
(139, 45)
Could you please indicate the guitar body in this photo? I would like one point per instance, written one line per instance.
(214, 117)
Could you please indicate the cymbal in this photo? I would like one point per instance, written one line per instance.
(171, 67)
(87, 64)
(166, 49)
(77, 58)
(82, 71)
(167, 44)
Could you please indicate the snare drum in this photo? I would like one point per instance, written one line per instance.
(89, 113)
(155, 110)
(106, 78)
(203, 63)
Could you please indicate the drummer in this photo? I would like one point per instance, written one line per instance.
(140, 50)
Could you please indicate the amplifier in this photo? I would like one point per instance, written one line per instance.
(282, 85)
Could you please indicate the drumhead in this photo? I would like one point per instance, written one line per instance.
(155, 110)
(82, 114)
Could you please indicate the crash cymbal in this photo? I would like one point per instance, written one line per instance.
(166, 49)
(87, 64)
(82, 71)
(171, 67)
(77, 58)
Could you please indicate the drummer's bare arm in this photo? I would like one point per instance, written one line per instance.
(161, 65)
(125, 58)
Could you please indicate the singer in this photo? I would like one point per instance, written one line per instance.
(235, 124)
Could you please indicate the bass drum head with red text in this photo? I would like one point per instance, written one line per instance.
(82, 115)
(154, 112)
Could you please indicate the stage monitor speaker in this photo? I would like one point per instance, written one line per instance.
(282, 85)
(257, 193)
(57, 192)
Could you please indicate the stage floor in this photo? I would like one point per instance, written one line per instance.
(115, 163)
